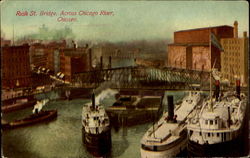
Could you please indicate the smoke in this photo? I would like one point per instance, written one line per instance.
(104, 91)
(104, 94)
(44, 33)
(39, 105)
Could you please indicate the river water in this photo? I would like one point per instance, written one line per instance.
(61, 138)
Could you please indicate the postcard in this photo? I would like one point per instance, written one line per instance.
(119, 79)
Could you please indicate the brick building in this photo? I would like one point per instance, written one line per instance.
(234, 59)
(5, 42)
(53, 55)
(38, 56)
(15, 66)
(46, 55)
(74, 60)
(191, 48)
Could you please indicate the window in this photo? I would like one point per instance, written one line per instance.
(200, 133)
(218, 134)
(211, 122)
(215, 122)
(208, 134)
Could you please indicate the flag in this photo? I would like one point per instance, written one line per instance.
(215, 42)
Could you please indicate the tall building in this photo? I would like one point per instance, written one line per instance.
(74, 60)
(38, 56)
(234, 59)
(15, 66)
(191, 50)
(53, 55)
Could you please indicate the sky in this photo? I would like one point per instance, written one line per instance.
(131, 20)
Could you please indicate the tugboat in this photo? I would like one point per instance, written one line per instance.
(168, 137)
(17, 104)
(38, 115)
(96, 131)
(217, 125)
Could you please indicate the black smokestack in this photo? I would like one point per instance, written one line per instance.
(170, 107)
(238, 88)
(229, 116)
(217, 90)
(93, 100)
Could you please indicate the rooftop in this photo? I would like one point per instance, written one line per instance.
(189, 44)
(204, 28)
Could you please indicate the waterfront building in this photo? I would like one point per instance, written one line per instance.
(74, 60)
(38, 56)
(234, 59)
(5, 42)
(46, 55)
(191, 48)
(53, 55)
(15, 66)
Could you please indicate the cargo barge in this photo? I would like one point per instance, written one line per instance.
(130, 110)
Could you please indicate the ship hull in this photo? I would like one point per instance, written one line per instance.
(97, 144)
(174, 151)
(32, 119)
(236, 147)
(229, 148)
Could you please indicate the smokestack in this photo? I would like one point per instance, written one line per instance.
(238, 88)
(170, 108)
(110, 64)
(90, 58)
(101, 62)
(244, 34)
(229, 116)
(217, 90)
(93, 100)
(235, 29)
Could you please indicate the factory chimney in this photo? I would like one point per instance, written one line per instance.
(235, 29)
(244, 34)
(101, 63)
(110, 64)
(90, 57)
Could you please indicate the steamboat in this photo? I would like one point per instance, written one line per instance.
(38, 116)
(96, 131)
(217, 125)
(168, 137)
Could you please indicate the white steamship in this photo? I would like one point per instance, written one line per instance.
(168, 137)
(216, 127)
(96, 132)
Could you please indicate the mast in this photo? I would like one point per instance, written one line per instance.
(13, 35)
(210, 49)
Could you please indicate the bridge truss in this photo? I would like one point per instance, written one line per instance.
(144, 78)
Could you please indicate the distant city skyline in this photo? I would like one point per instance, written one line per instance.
(131, 20)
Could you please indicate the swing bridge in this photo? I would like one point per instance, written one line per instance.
(138, 77)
